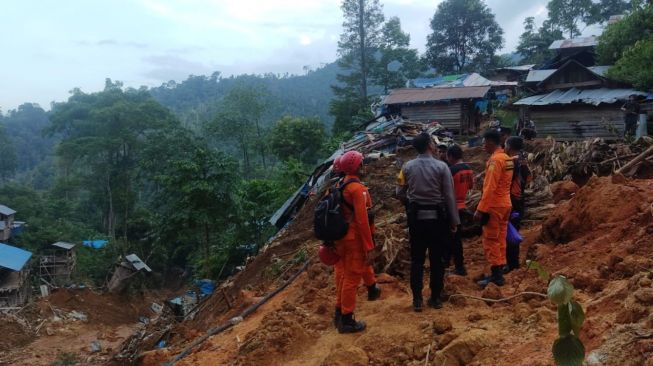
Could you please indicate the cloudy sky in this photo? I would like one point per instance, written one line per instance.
(52, 46)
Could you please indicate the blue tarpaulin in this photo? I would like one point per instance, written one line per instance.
(95, 244)
(206, 286)
(13, 258)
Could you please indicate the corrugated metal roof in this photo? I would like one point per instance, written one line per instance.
(417, 95)
(4, 210)
(590, 41)
(137, 262)
(517, 68)
(449, 81)
(600, 70)
(64, 245)
(535, 76)
(13, 258)
(573, 95)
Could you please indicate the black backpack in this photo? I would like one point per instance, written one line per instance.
(329, 222)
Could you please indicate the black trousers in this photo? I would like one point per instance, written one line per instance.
(427, 236)
(512, 250)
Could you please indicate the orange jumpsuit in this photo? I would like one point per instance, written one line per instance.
(495, 201)
(352, 266)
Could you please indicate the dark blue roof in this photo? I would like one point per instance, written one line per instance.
(12, 257)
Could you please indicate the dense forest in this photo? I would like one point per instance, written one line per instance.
(187, 174)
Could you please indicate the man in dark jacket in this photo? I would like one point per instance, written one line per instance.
(425, 185)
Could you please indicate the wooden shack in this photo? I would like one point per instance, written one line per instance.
(576, 102)
(6, 222)
(14, 276)
(452, 107)
(58, 264)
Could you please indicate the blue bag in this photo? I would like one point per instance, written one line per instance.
(513, 237)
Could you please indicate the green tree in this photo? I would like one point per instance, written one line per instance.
(621, 36)
(568, 14)
(297, 137)
(396, 61)
(604, 9)
(7, 156)
(465, 36)
(634, 66)
(239, 121)
(534, 44)
(103, 135)
(356, 47)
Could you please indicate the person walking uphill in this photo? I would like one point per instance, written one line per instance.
(369, 278)
(426, 188)
(354, 248)
(494, 208)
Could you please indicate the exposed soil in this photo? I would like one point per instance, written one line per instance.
(601, 238)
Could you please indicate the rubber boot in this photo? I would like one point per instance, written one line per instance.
(373, 292)
(336, 317)
(349, 325)
(496, 277)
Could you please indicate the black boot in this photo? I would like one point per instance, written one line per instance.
(349, 325)
(435, 302)
(496, 277)
(336, 317)
(373, 292)
(418, 304)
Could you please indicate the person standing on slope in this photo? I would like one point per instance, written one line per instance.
(369, 279)
(425, 186)
(463, 181)
(494, 208)
(354, 248)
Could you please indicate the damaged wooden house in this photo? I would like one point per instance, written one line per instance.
(575, 102)
(14, 276)
(57, 265)
(127, 267)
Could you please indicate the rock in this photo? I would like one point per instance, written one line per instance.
(644, 296)
(632, 312)
(645, 282)
(424, 325)
(492, 291)
(385, 278)
(563, 190)
(474, 317)
(321, 309)
(445, 339)
(442, 325)
(347, 356)
(463, 349)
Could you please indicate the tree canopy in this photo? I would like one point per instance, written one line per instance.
(465, 36)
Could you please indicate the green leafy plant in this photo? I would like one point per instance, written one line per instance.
(568, 350)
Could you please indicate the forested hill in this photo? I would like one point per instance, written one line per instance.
(195, 99)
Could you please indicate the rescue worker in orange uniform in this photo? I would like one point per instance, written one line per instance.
(369, 278)
(494, 208)
(354, 248)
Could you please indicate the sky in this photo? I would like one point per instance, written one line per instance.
(49, 47)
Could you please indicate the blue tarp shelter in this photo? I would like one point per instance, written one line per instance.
(95, 244)
(13, 258)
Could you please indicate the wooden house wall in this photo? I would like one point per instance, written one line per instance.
(568, 123)
(449, 115)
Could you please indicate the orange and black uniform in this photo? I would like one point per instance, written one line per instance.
(463, 181)
(352, 249)
(495, 204)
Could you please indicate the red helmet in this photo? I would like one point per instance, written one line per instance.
(328, 255)
(336, 164)
(350, 162)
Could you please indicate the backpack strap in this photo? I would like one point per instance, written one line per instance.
(342, 196)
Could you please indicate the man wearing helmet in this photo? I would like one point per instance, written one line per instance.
(369, 278)
(354, 248)
(426, 187)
